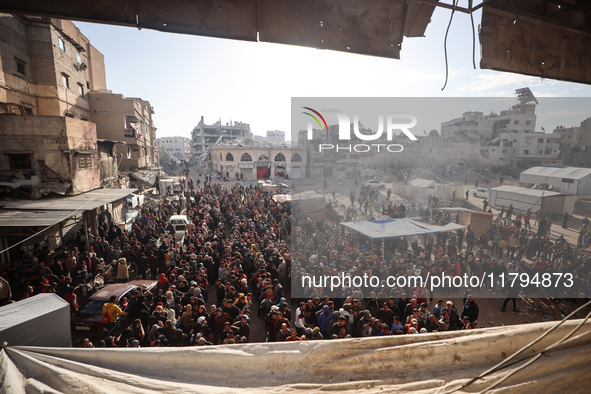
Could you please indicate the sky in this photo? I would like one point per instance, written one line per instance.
(185, 77)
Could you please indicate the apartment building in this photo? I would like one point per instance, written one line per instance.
(128, 120)
(575, 144)
(523, 148)
(47, 143)
(176, 146)
(48, 67)
(477, 127)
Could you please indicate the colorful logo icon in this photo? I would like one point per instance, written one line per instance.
(315, 118)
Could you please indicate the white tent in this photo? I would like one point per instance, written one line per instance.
(392, 228)
(571, 180)
(42, 320)
(422, 363)
(522, 199)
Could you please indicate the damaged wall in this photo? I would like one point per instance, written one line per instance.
(54, 148)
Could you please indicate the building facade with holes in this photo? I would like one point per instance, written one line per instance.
(127, 120)
(47, 142)
(59, 154)
(205, 136)
(259, 162)
(48, 67)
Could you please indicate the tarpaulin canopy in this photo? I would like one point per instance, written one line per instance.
(421, 363)
(392, 228)
(280, 198)
(42, 320)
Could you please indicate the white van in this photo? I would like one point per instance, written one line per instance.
(180, 224)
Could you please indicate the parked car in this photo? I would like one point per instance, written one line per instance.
(482, 193)
(374, 184)
(88, 319)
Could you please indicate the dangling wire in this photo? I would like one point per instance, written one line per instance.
(453, 10)
(473, 38)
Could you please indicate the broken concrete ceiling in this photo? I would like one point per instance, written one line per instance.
(545, 38)
(371, 27)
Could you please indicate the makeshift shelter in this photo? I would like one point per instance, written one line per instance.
(133, 200)
(281, 198)
(42, 320)
(165, 184)
(393, 228)
(522, 199)
(424, 363)
(479, 222)
(309, 201)
(422, 183)
(571, 180)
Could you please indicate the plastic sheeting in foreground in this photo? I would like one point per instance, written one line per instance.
(42, 320)
(392, 228)
(422, 363)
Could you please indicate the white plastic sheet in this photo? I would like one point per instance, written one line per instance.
(42, 320)
(422, 363)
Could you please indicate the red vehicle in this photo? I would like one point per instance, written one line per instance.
(88, 319)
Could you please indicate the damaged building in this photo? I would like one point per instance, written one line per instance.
(127, 120)
(47, 143)
(205, 136)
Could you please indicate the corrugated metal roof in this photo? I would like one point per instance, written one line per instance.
(33, 218)
(526, 191)
(83, 202)
(559, 172)
(45, 212)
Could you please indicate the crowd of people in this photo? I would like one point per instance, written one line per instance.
(234, 264)
(510, 246)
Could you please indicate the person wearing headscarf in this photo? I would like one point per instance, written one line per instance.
(171, 316)
(163, 282)
(138, 330)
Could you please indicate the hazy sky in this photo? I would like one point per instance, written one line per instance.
(185, 77)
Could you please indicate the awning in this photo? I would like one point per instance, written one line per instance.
(33, 218)
(84, 201)
(393, 228)
(48, 211)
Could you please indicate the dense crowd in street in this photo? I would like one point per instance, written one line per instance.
(233, 265)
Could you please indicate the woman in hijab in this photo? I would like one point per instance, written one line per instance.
(138, 330)
(163, 282)
(171, 315)
(169, 299)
